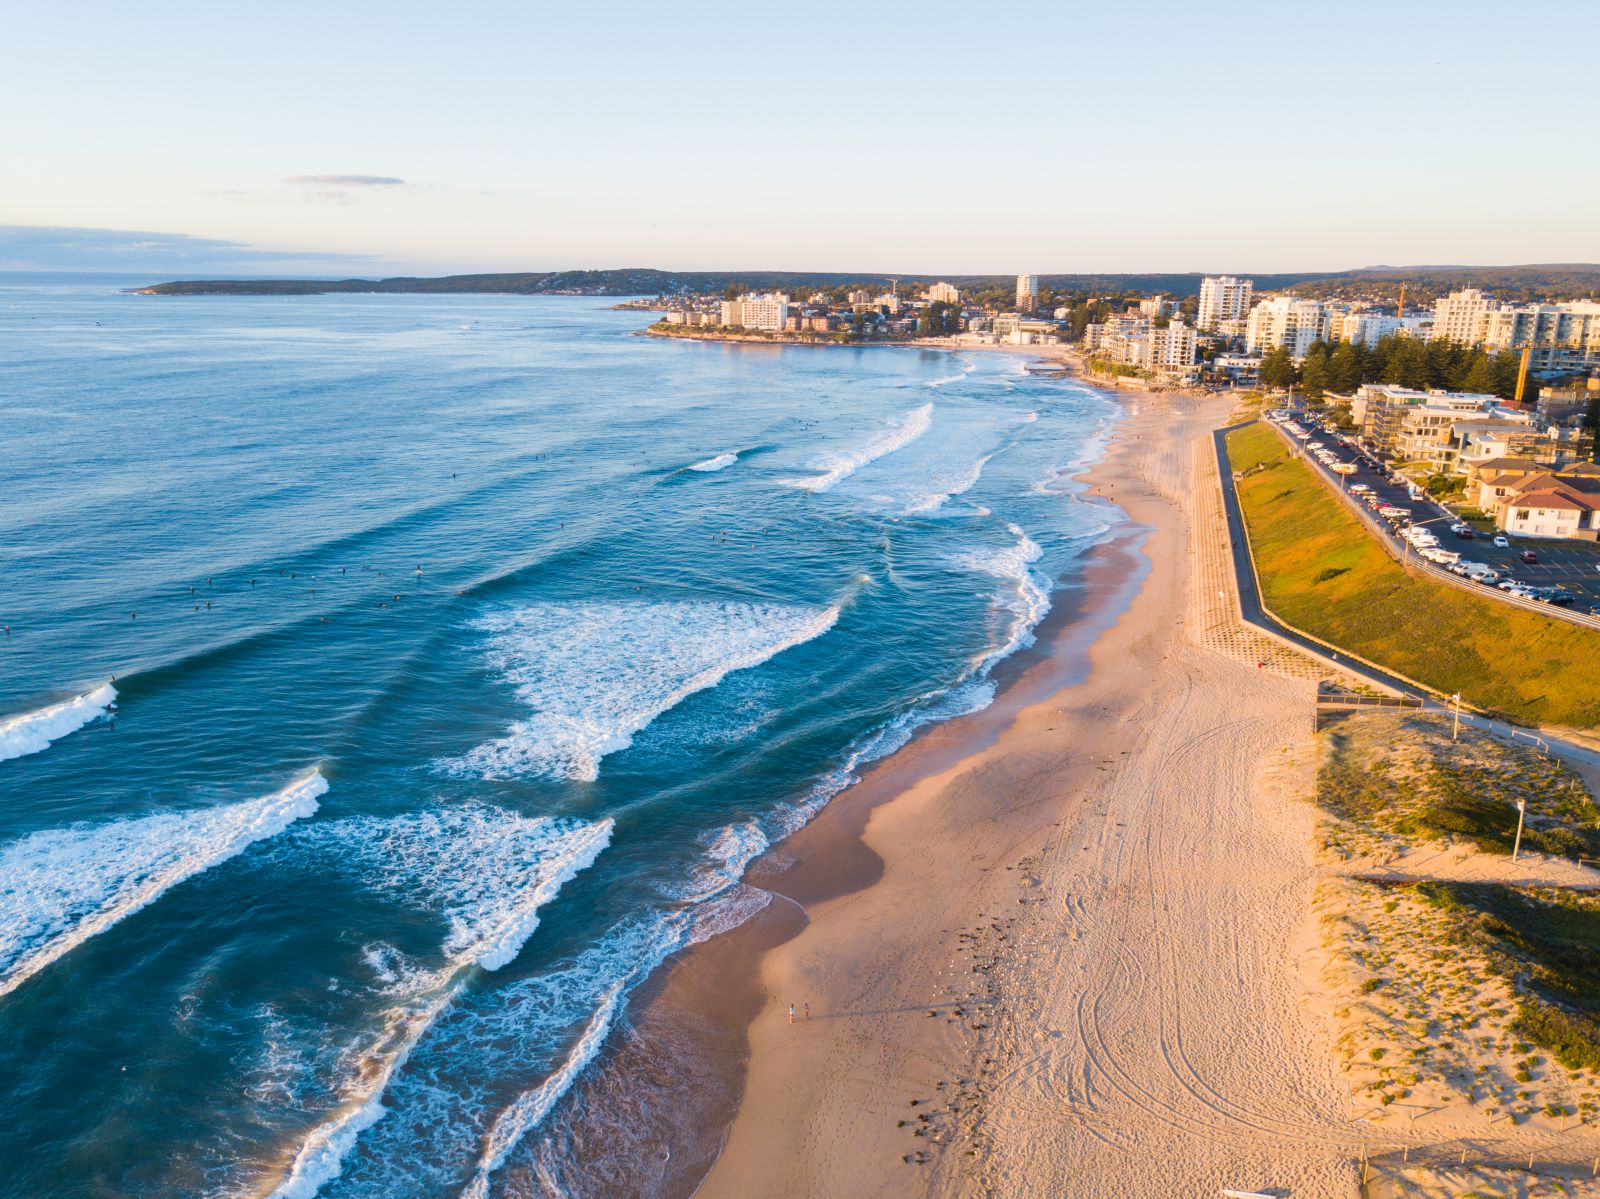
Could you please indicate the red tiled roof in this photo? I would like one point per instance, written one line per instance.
(1560, 501)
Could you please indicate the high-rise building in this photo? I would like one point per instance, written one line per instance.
(754, 311)
(1562, 336)
(1286, 322)
(944, 293)
(1169, 348)
(1461, 316)
(1027, 292)
(1223, 299)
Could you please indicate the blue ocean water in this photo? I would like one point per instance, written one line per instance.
(393, 682)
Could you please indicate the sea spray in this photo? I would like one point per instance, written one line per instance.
(59, 887)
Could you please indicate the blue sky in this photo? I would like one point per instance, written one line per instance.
(920, 137)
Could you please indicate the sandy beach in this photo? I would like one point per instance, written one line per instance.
(1052, 945)
(1071, 945)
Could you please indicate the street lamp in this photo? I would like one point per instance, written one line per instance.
(1455, 731)
(1522, 812)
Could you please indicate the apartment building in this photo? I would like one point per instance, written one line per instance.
(1380, 409)
(1563, 337)
(1027, 292)
(944, 293)
(1223, 300)
(752, 311)
(1168, 349)
(1288, 323)
(1106, 337)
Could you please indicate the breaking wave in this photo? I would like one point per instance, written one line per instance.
(1027, 597)
(59, 887)
(839, 466)
(487, 872)
(594, 674)
(720, 462)
(32, 732)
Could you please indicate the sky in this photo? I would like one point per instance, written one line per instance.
(925, 137)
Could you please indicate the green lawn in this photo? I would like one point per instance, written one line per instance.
(1324, 573)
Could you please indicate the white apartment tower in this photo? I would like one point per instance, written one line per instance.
(944, 293)
(1027, 292)
(1284, 321)
(754, 311)
(1462, 315)
(1169, 348)
(1222, 299)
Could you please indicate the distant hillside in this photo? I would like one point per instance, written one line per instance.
(646, 282)
(1549, 281)
(1422, 283)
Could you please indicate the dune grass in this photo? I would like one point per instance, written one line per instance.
(1400, 774)
(1547, 944)
(1324, 573)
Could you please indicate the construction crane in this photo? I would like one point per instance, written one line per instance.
(1522, 370)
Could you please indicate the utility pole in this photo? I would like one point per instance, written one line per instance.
(1522, 812)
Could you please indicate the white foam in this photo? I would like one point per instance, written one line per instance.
(1092, 447)
(967, 367)
(59, 887)
(962, 699)
(842, 465)
(728, 851)
(959, 485)
(720, 462)
(1028, 595)
(623, 958)
(32, 732)
(594, 674)
(532, 1106)
(488, 872)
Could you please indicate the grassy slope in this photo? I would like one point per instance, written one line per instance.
(1324, 573)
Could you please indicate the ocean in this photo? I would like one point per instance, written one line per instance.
(394, 682)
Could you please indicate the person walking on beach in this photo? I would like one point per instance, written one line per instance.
(808, 1011)
(791, 1013)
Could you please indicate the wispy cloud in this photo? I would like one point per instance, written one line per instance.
(347, 180)
(56, 248)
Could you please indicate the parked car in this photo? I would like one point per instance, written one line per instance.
(1500, 541)
(1463, 532)
(1531, 557)
(1557, 595)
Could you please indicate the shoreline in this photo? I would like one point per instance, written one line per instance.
(680, 1026)
(829, 857)
(1093, 838)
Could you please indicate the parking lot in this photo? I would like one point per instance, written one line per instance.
(1574, 566)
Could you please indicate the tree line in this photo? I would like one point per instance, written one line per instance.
(1406, 361)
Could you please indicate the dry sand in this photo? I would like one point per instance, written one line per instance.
(1067, 947)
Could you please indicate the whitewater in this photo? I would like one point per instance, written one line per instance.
(33, 732)
(466, 651)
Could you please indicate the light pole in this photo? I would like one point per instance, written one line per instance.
(1455, 731)
(1522, 811)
